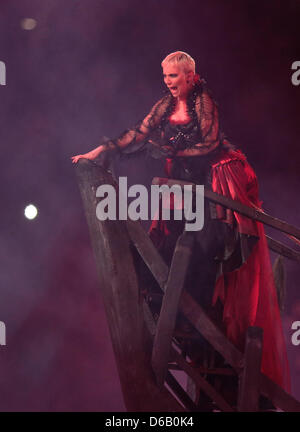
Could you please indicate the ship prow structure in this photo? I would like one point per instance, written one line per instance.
(151, 352)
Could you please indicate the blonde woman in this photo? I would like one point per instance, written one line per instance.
(184, 127)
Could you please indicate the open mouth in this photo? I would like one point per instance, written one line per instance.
(173, 88)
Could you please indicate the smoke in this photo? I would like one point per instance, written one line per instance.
(91, 68)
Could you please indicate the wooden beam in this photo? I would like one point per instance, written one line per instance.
(251, 212)
(282, 249)
(192, 372)
(169, 309)
(203, 324)
(180, 393)
(201, 382)
(148, 252)
(249, 386)
(280, 398)
(121, 296)
(214, 371)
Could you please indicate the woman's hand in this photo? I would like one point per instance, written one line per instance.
(75, 159)
(90, 155)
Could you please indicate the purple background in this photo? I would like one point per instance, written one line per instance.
(92, 68)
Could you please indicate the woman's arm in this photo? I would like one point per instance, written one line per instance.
(134, 135)
(131, 136)
(93, 154)
(208, 118)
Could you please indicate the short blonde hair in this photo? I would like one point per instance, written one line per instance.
(181, 58)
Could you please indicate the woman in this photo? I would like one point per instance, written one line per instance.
(232, 249)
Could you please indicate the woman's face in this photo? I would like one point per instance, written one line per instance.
(176, 80)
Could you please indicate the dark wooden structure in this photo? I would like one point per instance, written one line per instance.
(148, 348)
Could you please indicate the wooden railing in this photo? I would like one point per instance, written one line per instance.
(142, 344)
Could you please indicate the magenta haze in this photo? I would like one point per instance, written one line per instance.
(138, 208)
(296, 75)
(2, 73)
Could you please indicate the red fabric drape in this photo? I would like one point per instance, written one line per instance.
(248, 293)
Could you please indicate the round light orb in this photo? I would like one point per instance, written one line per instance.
(30, 212)
(28, 23)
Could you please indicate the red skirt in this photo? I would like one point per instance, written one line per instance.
(248, 294)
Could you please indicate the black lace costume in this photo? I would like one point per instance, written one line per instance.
(230, 264)
(203, 134)
(158, 135)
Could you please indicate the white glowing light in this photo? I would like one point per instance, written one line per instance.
(28, 23)
(30, 211)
